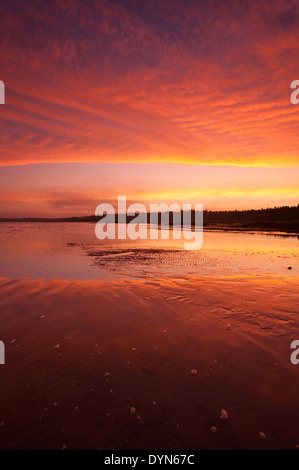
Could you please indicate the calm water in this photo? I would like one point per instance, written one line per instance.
(72, 251)
(131, 329)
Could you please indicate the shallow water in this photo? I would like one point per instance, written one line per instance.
(92, 329)
(72, 251)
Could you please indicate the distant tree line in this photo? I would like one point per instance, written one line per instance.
(277, 218)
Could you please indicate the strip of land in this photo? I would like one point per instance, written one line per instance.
(278, 219)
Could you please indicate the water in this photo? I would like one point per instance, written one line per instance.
(73, 309)
(72, 251)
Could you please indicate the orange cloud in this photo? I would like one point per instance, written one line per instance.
(207, 83)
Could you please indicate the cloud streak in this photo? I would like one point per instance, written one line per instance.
(126, 81)
(69, 189)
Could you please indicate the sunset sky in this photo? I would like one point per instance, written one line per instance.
(158, 100)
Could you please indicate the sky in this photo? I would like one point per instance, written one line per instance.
(158, 100)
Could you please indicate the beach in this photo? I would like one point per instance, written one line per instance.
(114, 346)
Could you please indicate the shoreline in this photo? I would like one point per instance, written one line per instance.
(275, 228)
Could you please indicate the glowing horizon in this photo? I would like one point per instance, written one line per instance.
(197, 88)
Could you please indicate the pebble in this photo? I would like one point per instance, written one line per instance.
(57, 346)
(42, 317)
(132, 409)
(107, 374)
(228, 326)
(223, 414)
(193, 371)
(213, 429)
(13, 341)
(133, 349)
(262, 435)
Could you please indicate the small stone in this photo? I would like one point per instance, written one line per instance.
(42, 317)
(290, 267)
(133, 349)
(262, 435)
(132, 409)
(154, 402)
(55, 403)
(223, 414)
(213, 429)
(57, 346)
(13, 340)
(193, 371)
(107, 374)
(228, 326)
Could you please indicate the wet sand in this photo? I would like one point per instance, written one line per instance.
(106, 364)
(101, 339)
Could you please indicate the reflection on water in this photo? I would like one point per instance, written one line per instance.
(72, 251)
(99, 328)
